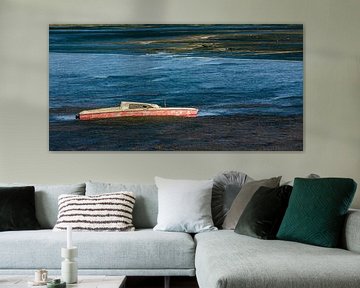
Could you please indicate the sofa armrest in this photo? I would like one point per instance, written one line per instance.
(351, 234)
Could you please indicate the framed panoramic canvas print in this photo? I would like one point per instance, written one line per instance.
(176, 87)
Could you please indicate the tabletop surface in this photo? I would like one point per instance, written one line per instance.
(15, 281)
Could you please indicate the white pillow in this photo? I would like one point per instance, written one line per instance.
(184, 205)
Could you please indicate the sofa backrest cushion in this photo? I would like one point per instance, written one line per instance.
(46, 200)
(146, 204)
(350, 234)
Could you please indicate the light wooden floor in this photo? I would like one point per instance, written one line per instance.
(158, 282)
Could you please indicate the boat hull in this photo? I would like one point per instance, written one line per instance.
(164, 112)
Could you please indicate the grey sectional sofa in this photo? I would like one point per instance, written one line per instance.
(219, 259)
(226, 259)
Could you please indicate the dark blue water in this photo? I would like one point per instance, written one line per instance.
(215, 83)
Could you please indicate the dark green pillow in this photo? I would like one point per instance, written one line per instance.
(17, 209)
(316, 211)
(263, 214)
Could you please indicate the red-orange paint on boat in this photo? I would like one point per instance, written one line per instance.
(135, 109)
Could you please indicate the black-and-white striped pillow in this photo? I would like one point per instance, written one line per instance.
(105, 212)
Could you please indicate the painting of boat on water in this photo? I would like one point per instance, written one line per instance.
(176, 87)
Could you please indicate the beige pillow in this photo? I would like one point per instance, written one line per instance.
(243, 198)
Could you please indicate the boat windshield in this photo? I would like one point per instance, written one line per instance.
(139, 106)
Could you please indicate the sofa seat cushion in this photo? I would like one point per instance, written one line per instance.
(225, 259)
(142, 249)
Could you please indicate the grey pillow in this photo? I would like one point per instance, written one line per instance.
(226, 187)
(310, 176)
(146, 204)
(46, 200)
(243, 198)
(184, 205)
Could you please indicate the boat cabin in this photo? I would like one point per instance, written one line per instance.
(137, 105)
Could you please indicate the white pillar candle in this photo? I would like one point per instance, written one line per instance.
(69, 237)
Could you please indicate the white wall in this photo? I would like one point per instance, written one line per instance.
(331, 88)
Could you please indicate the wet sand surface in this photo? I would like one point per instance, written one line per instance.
(211, 133)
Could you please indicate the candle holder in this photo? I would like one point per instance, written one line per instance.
(69, 271)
